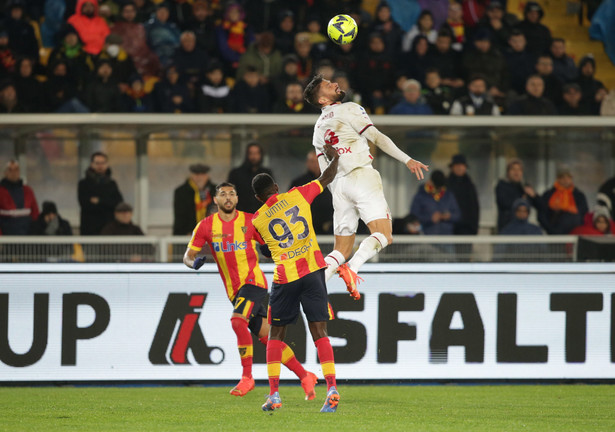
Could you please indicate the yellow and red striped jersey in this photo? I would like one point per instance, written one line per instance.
(285, 223)
(233, 245)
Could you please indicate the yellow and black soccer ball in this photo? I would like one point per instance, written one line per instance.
(342, 29)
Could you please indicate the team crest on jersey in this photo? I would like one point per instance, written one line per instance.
(244, 229)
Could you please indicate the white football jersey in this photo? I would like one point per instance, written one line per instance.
(342, 126)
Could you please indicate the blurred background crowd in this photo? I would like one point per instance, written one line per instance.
(470, 57)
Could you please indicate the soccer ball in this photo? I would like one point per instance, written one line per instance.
(342, 29)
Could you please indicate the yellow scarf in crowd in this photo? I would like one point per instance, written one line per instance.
(562, 199)
(435, 193)
(200, 205)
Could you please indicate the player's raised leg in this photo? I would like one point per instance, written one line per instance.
(342, 249)
(308, 379)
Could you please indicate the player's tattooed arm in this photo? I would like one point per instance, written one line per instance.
(329, 173)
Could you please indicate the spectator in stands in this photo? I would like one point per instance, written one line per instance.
(242, 176)
(162, 34)
(411, 225)
(462, 187)
(565, 205)
(122, 223)
(193, 200)
(375, 75)
(553, 86)
(447, 61)
(416, 62)
(172, 95)
(598, 222)
(213, 94)
(397, 95)
(423, 27)
(484, 59)
(477, 101)
(606, 195)
(345, 58)
(413, 102)
(318, 40)
(92, 28)
(521, 64)
(455, 26)
(390, 31)
(322, 206)
(499, 26)
(286, 76)
(303, 51)
(190, 60)
(78, 63)
(135, 99)
(571, 101)
(203, 25)
(438, 97)
(50, 223)
(284, 33)
(439, 10)
(7, 59)
(121, 63)
(145, 9)
(249, 95)
(18, 207)
(98, 195)
(435, 206)
(102, 94)
(325, 69)
(510, 189)
(533, 102)
(53, 20)
(28, 88)
(538, 36)
(342, 80)
(593, 90)
(180, 12)
(563, 65)
(9, 101)
(134, 41)
(21, 33)
(519, 224)
(293, 103)
(233, 35)
(60, 91)
(262, 56)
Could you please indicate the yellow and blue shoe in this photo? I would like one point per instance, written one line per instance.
(273, 402)
(333, 399)
(308, 384)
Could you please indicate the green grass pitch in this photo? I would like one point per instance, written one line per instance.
(362, 409)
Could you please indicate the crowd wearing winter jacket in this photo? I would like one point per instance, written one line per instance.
(468, 57)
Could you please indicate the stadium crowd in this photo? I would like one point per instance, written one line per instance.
(466, 57)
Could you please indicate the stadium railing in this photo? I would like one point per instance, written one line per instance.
(406, 248)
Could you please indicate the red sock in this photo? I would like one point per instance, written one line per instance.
(289, 360)
(244, 343)
(274, 359)
(325, 354)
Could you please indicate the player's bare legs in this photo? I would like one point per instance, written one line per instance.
(342, 249)
(308, 379)
(381, 236)
(327, 363)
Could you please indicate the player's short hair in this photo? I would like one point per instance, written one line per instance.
(262, 184)
(310, 93)
(98, 153)
(225, 184)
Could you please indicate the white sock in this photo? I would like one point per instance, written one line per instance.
(333, 260)
(367, 249)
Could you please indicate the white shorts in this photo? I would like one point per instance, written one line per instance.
(357, 195)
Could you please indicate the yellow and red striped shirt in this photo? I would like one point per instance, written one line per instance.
(285, 223)
(233, 246)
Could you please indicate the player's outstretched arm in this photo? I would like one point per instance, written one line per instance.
(329, 173)
(192, 261)
(385, 144)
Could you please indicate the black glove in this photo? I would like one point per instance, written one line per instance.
(265, 250)
(198, 262)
